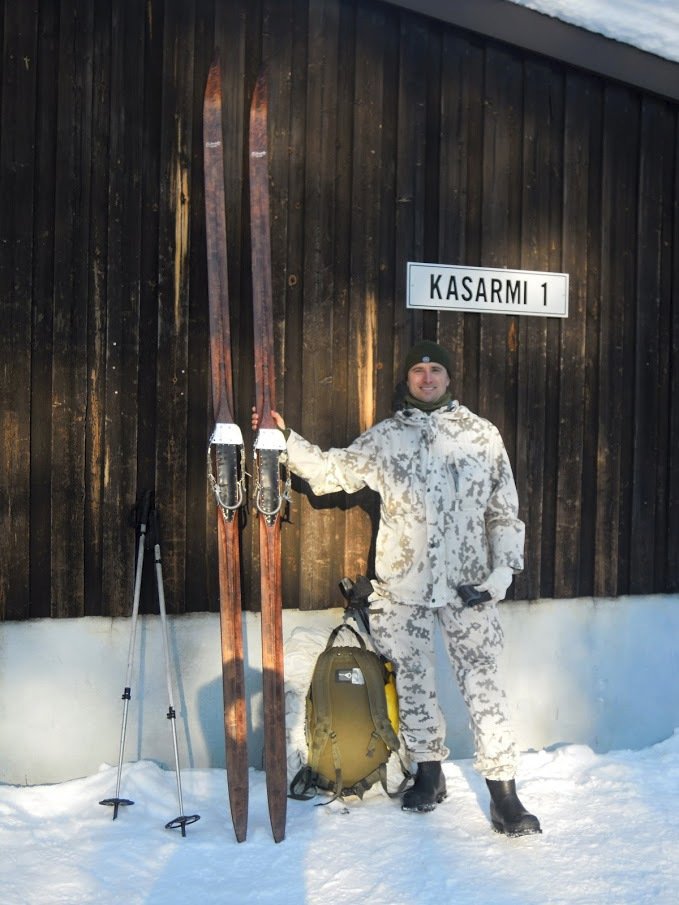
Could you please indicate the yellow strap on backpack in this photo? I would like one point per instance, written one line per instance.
(391, 696)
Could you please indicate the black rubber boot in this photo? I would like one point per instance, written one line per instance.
(428, 790)
(507, 814)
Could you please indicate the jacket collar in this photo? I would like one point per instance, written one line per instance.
(415, 416)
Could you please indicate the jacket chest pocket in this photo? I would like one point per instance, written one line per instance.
(469, 479)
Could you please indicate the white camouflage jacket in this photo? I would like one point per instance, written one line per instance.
(449, 507)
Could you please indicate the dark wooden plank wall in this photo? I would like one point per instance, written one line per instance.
(393, 138)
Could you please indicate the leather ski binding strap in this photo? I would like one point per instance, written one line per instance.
(271, 491)
(226, 468)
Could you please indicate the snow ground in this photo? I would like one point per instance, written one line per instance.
(610, 821)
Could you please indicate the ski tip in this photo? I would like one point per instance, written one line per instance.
(259, 96)
(214, 78)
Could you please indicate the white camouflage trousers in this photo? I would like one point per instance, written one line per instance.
(473, 639)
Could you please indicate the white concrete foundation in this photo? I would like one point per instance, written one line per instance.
(598, 672)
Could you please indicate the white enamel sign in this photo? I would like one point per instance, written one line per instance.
(487, 290)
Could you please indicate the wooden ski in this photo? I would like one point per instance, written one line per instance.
(225, 458)
(269, 448)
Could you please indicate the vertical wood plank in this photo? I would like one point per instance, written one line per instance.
(42, 315)
(71, 280)
(152, 137)
(122, 365)
(618, 285)
(98, 600)
(580, 130)
(537, 426)
(593, 278)
(651, 363)
(17, 169)
(173, 293)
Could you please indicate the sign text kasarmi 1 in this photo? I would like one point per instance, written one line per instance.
(487, 290)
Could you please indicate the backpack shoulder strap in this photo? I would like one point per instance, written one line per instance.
(322, 731)
(376, 697)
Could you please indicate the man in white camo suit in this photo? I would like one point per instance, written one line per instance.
(448, 517)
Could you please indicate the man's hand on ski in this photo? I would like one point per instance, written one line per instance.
(278, 419)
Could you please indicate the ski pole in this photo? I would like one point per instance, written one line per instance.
(183, 820)
(144, 510)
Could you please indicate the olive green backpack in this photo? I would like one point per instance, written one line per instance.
(351, 721)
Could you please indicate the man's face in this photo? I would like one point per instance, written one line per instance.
(427, 381)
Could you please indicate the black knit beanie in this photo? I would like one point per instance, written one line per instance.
(427, 351)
